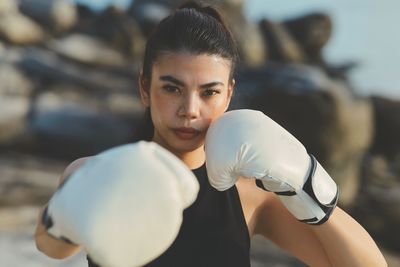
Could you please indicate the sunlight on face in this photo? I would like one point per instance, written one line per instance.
(187, 92)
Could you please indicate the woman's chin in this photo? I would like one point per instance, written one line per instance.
(180, 144)
(187, 146)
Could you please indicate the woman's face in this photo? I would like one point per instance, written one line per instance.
(186, 93)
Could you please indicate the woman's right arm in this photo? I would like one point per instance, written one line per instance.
(53, 247)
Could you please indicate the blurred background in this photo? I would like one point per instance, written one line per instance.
(325, 70)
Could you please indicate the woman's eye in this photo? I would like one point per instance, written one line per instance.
(211, 92)
(170, 88)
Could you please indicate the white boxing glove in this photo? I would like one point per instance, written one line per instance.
(247, 143)
(125, 205)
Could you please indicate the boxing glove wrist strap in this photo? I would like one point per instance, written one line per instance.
(315, 201)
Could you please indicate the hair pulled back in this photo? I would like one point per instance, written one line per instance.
(195, 28)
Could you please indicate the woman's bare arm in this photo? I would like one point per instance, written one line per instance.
(52, 247)
(347, 243)
(340, 241)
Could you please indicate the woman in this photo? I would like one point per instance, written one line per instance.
(187, 83)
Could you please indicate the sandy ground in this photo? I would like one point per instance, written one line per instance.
(17, 245)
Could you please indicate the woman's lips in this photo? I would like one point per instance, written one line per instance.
(186, 133)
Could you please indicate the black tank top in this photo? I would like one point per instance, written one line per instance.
(213, 231)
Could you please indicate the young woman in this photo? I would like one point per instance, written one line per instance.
(186, 84)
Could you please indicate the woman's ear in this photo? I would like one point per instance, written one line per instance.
(231, 89)
(144, 90)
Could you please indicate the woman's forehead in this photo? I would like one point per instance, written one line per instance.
(185, 65)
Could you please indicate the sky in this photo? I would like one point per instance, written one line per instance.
(365, 31)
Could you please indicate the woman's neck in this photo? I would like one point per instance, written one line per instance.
(193, 159)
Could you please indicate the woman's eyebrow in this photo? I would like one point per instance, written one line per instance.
(169, 78)
(208, 85)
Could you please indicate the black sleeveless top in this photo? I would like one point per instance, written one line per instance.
(213, 231)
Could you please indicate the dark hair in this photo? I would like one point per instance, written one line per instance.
(195, 28)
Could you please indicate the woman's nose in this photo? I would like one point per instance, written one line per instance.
(190, 107)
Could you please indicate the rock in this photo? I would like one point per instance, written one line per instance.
(59, 15)
(341, 71)
(355, 130)
(121, 32)
(331, 123)
(115, 28)
(14, 111)
(247, 34)
(15, 91)
(293, 78)
(50, 68)
(377, 204)
(124, 106)
(280, 44)
(19, 30)
(312, 31)
(13, 82)
(387, 126)
(10, 54)
(27, 180)
(2, 50)
(65, 129)
(251, 45)
(8, 6)
(391, 258)
(118, 104)
(149, 13)
(90, 134)
(86, 49)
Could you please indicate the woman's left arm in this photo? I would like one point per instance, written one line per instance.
(340, 241)
(346, 242)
